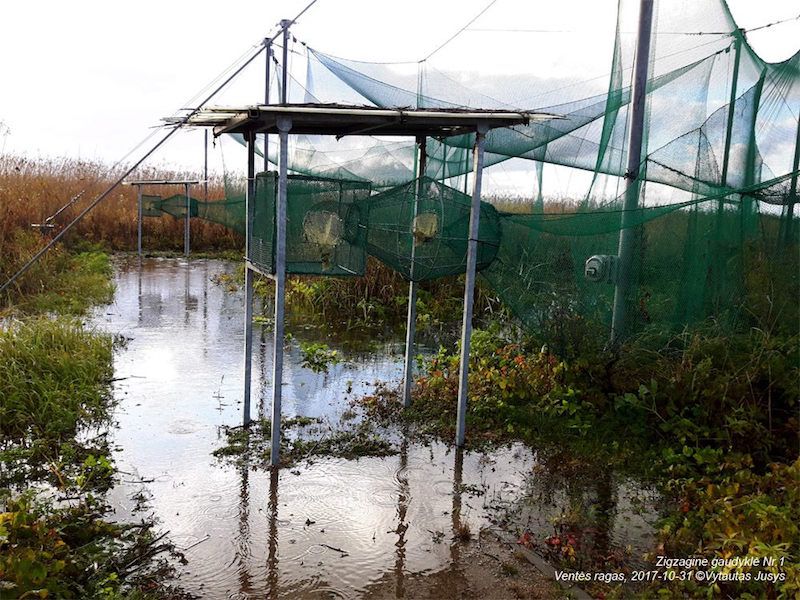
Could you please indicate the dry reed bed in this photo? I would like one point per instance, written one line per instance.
(33, 189)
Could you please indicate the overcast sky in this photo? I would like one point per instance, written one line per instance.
(88, 78)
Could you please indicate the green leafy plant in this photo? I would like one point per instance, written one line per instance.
(318, 357)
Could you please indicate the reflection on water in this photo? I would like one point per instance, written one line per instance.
(330, 528)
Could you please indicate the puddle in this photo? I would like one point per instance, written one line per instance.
(329, 529)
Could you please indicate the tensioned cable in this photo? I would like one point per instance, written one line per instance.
(149, 136)
(147, 154)
(781, 22)
(460, 31)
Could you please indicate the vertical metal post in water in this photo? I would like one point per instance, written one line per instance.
(284, 125)
(139, 219)
(627, 234)
(411, 323)
(205, 165)
(248, 273)
(469, 283)
(186, 230)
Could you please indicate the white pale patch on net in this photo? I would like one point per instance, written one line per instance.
(323, 227)
(426, 226)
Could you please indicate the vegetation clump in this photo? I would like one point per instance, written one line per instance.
(71, 551)
(318, 356)
(709, 415)
(56, 538)
(302, 438)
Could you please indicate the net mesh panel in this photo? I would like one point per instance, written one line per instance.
(717, 223)
(151, 206)
(720, 163)
(422, 232)
(229, 212)
(176, 206)
(325, 233)
(682, 272)
(692, 259)
(261, 241)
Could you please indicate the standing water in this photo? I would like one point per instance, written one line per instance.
(327, 528)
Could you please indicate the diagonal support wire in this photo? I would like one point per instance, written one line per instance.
(24, 269)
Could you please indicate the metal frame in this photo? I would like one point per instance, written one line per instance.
(469, 284)
(411, 322)
(339, 121)
(280, 288)
(627, 234)
(248, 273)
(186, 183)
(789, 231)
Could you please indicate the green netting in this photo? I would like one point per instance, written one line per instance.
(716, 224)
(229, 212)
(261, 240)
(151, 206)
(693, 259)
(421, 230)
(724, 118)
(176, 206)
(325, 232)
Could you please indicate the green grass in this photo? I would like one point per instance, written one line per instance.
(66, 284)
(55, 409)
(53, 378)
(84, 282)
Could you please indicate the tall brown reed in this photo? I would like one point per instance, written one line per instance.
(33, 189)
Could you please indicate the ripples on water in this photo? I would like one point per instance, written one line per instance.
(322, 530)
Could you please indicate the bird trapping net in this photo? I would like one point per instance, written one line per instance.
(715, 221)
(421, 230)
(325, 232)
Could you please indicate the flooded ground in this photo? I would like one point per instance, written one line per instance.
(332, 528)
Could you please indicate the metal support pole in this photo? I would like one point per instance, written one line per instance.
(789, 229)
(248, 274)
(186, 229)
(627, 234)
(268, 44)
(469, 284)
(538, 206)
(466, 170)
(139, 219)
(726, 155)
(284, 125)
(285, 66)
(205, 165)
(411, 323)
(745, 201)
(718, 265)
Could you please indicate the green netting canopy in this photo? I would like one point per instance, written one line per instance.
(228, 212)
(715, 231)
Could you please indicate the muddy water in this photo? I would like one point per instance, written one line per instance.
(327, 529)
